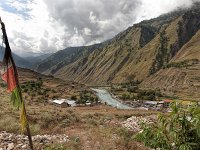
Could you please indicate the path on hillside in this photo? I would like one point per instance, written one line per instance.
(105, 96)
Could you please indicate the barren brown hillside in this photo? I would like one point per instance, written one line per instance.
(140, 51)
(155, 52)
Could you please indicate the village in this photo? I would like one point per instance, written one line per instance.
(156, 105)
(70, 103)
(162, 105)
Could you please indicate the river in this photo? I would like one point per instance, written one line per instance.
(105, 96)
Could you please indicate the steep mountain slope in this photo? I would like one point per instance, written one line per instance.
(61, 58)
(180, 77)
(139, 51)
(35, 60)
(190, 50)
(162, 53)
(111, 55)
(102, 65)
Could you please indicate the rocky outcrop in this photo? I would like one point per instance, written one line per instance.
(134, 123)
(10, 141)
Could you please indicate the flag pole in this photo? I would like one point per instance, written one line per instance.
(20, 94)
(28, 132)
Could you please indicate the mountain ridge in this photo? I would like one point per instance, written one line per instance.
(62, 57)
(21, 62)
(143, 51)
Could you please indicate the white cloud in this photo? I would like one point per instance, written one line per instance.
(92, 17)
(153, 8)
(87, 31)
(37, 34)
(42, 26)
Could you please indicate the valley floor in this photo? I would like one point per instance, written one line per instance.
(88, 128)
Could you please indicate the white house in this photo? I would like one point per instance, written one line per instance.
(64, 102)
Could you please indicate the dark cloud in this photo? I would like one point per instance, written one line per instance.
(91, 20)
(56, 24)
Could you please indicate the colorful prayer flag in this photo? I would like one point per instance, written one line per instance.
(10, 76)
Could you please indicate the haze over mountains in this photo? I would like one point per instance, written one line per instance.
(21, 62)
(64, 57)
(25, 62)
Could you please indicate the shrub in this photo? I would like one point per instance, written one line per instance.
(118, 90)
(46, 120)
(178, 131)
(148, 94)
(132, 89)
(23, 86)
(126, 96)
(9, 124)
(181, 64)
(81, 101)
(73, 97)
(25, 90)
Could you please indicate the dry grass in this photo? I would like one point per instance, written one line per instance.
(89, 128)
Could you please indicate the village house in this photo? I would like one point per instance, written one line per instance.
(167, 103)
(156, 105)
(63, 103)
(150, 103)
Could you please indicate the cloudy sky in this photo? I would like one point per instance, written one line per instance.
(46, 26)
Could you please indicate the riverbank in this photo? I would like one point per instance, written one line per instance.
(107, 98)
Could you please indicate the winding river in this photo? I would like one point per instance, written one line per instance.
(105, 96)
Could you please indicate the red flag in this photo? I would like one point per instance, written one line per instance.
(8, 76)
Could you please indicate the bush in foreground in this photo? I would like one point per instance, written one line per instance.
(178, 131)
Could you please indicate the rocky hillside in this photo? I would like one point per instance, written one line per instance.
(181, 76)
(104, 65)
(139, 51)
(161, 52)
(136, 37)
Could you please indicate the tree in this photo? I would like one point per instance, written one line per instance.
(73, 97)
(162, 57)
(131, 78)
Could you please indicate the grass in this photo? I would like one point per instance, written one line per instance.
(9, 123)
(87, 127)
(90, 128)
